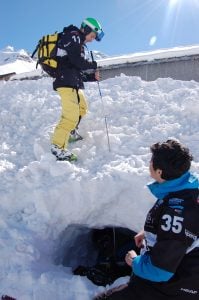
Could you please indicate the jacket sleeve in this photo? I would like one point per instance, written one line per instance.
(73, 48)
(170, 245)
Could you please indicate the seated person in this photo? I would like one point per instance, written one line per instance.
(168, 264)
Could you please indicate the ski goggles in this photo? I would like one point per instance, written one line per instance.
(99, 34)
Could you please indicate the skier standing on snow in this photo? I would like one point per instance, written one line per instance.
(69, 83)
(168, 265)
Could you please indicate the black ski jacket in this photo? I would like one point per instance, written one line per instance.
(168, 267)
(71, 60)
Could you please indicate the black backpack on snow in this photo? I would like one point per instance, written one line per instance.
(111, 244)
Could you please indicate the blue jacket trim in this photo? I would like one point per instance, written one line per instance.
(143, 267)
(186, 181)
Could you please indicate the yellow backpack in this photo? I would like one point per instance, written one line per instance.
(47, 53)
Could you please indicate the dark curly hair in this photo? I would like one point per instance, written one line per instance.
(172, 158)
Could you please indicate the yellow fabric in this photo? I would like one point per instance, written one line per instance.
(71, 111)
(51, 62)
(49, 44)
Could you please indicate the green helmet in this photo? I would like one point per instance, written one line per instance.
(89, 25)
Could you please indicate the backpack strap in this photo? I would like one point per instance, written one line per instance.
(47, 42)
(33, 54)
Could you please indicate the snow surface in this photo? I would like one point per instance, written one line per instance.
(15, 61)
(41, 199)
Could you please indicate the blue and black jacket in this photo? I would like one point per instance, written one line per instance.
(169, 263)
(72, 64)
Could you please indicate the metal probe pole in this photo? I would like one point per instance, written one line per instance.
(105, 119)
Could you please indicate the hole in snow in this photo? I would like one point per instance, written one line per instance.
(75, 247)
(98, 254)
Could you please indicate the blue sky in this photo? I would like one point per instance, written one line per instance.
(129, 25)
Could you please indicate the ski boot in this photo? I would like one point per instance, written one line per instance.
(63, 155)
(74, 136)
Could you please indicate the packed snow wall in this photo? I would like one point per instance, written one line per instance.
(181, 68)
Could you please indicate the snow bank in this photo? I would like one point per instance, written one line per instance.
(41, 197)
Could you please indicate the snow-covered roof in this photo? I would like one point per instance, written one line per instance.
(150, 55)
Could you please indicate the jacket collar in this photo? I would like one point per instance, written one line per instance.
(186, 181)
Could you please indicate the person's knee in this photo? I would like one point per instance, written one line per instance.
(83, 107)
(68, 124)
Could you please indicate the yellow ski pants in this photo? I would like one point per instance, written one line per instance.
(74, 106)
